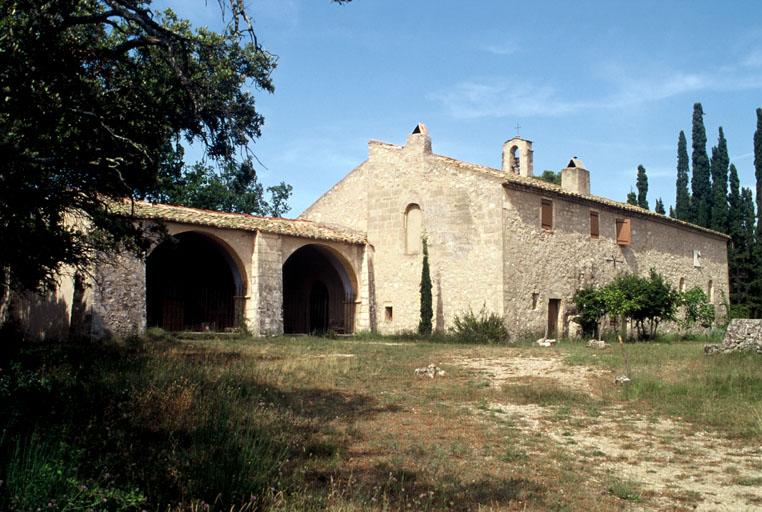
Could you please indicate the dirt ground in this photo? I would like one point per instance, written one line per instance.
(673, 466)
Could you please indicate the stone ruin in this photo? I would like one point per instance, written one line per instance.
(743, 335)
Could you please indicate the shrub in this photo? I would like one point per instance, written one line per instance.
(646, 301)
(590, 309)
(482, 328)
(698, 310)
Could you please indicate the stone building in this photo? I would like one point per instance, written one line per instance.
(499, 239)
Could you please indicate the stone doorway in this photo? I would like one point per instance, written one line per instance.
(193, 284)
(554, 308)
(318, 292)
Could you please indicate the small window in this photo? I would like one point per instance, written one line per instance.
(389, 313)
(594, 226)
(623, 232)
(535, 298)
(696, 258)
(413, 229)
(547, 214)
(682, 284)
(710, 290)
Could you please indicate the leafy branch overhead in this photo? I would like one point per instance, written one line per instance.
(93, 92)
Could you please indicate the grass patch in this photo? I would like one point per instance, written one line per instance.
(722, 392)
(624, 489)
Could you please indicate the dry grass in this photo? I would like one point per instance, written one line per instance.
(346, 425)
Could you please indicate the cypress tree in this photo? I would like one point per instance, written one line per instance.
(735, 232)
(700, 180)
(683, 197)
(659, 208)
(719, 167)
(746, 255)
(642, 186)
(758, 167)
(672, 212)
(632, 198)
(427, 310)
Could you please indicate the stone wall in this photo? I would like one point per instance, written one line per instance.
(743, 335)
(461, 219)
(542, 265)
(117, 298)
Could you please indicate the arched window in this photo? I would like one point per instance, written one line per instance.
(710, 291)
(681, 287)
(413, 229)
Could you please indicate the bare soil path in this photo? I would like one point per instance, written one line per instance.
(664, 463)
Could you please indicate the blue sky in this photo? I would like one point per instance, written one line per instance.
(612, 82)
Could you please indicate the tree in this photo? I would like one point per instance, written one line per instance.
(746, 254)
(645, 301)
(701, 199)
(642, 186)
(632, 198)
(682, 197)
(94, 94)
(735, 230)
(659, 208)
(233, 187)
(93, 90)
(591, 308)
(696, 309)
(551, 177)
(427, 310)
(758, 168)
(719, 169)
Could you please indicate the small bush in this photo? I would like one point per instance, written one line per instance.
(482, 328)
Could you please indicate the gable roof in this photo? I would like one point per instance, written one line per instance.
(240, 221)
(541, 186)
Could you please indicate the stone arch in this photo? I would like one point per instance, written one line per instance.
(319, 291)
(413, 228)
(194, 281)
(514, 159)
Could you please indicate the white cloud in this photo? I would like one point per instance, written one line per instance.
(502, 49)
(502, 97)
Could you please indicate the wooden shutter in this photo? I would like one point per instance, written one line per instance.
(623, 232)
(594, 226)
(547, 214)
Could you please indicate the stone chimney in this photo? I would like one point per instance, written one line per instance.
(517, 157)
(575, 178)
(419, 141)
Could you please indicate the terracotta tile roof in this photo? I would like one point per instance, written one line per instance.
(544, 186)
(241, 221)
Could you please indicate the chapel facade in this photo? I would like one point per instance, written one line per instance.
(498, 239)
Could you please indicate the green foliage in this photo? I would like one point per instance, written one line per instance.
(642, 186)
(427, 309)
(682, 197)
(551, 177)
(697, 309)
(758, 167)
(719, 169)
(93, 91)
(233, 187)
(591, 308)
(485, 327)
(659, 208)
(701, 198)
(632, 198)
(41, 475)
(645, 301)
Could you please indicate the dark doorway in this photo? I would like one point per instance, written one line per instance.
(318, 293)
(192, 284)
(554, 307)
(319, 308)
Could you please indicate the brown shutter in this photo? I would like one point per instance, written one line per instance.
(547, 214)
(623, 232)
(594, 229)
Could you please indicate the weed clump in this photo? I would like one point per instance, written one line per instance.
(484, 327)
